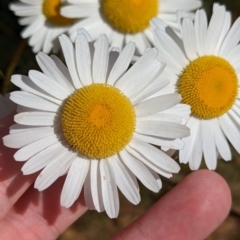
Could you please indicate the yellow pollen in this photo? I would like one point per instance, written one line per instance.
(209, 85)
(130, 16)
(98, 120)
(51, 10)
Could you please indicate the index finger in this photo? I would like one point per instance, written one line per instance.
(191, 210)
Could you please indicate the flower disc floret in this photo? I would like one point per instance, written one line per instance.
(98, 120)
(209, 84)
(130, 16)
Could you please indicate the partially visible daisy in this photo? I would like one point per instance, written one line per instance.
(125, 20)
(94, 120)
(6, 106)
(204, 65)
(43, 23)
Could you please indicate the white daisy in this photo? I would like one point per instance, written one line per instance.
(43, 23)
(92, 121)
(6, 106)
(204, 65)
(125, 20)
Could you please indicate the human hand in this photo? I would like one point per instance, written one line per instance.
(191, 210)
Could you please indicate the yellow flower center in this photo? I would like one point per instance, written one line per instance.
(51, 10)
(130, 16)
(98, 120)
(209, 85)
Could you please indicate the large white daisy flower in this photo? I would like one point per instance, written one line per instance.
(43, 23)
(6, 106)
(125, 20)
(204, 65)
(94, 120)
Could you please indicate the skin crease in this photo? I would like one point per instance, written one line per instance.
(191, 210)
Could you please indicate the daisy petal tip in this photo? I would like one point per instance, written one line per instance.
(103, 37)
(11, 6)
(193, 166)
(84, 32)
(157, 23)
(65, 202)
(115, 49)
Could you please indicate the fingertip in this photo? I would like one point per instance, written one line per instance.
(209, 195)
(191, 210)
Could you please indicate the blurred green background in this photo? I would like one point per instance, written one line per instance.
(17, 57)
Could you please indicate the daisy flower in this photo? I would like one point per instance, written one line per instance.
(43, 23)
(94, 120)
(204, 66)
(125, 20)
(6, 106)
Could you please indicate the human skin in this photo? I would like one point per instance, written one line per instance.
(191, 210)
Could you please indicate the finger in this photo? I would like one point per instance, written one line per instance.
(192, 210)
(38, 215)
(12, 182)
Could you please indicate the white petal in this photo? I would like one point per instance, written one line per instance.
(55, 69)
(157, 104)
(154, 156)
(20, 139)
(15, 128)
(74, 181)
(162, 129)
(80, 11)
(189, 142)
(87, 192)
(180, 109)
(83, 59)
(26, 84)
(156, 177)
(48, 85)
(35, 118)
(230, 130)
(87, 24)
(214, 29)
(109, 189)
(33, 27)
(29, 100)
(151, 89)
(165, 117)
(31, 149)
(225, 28)
(23, 10)
(100, 60)
(173, 5)
(189, 38)
(221, 141)
(166, 143)
(140, 75)
(139, 170)
(43, 158)
(234, 56)
(232, 39)
(158, 23)
(85, 33)
(122, 63)
(54, 170)
(125, 180)
(141, 41)
(68, 52)
(117, 40)
(209, 147)
(96, 187)
(169, 47)
(200, 25)
(27, 20)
